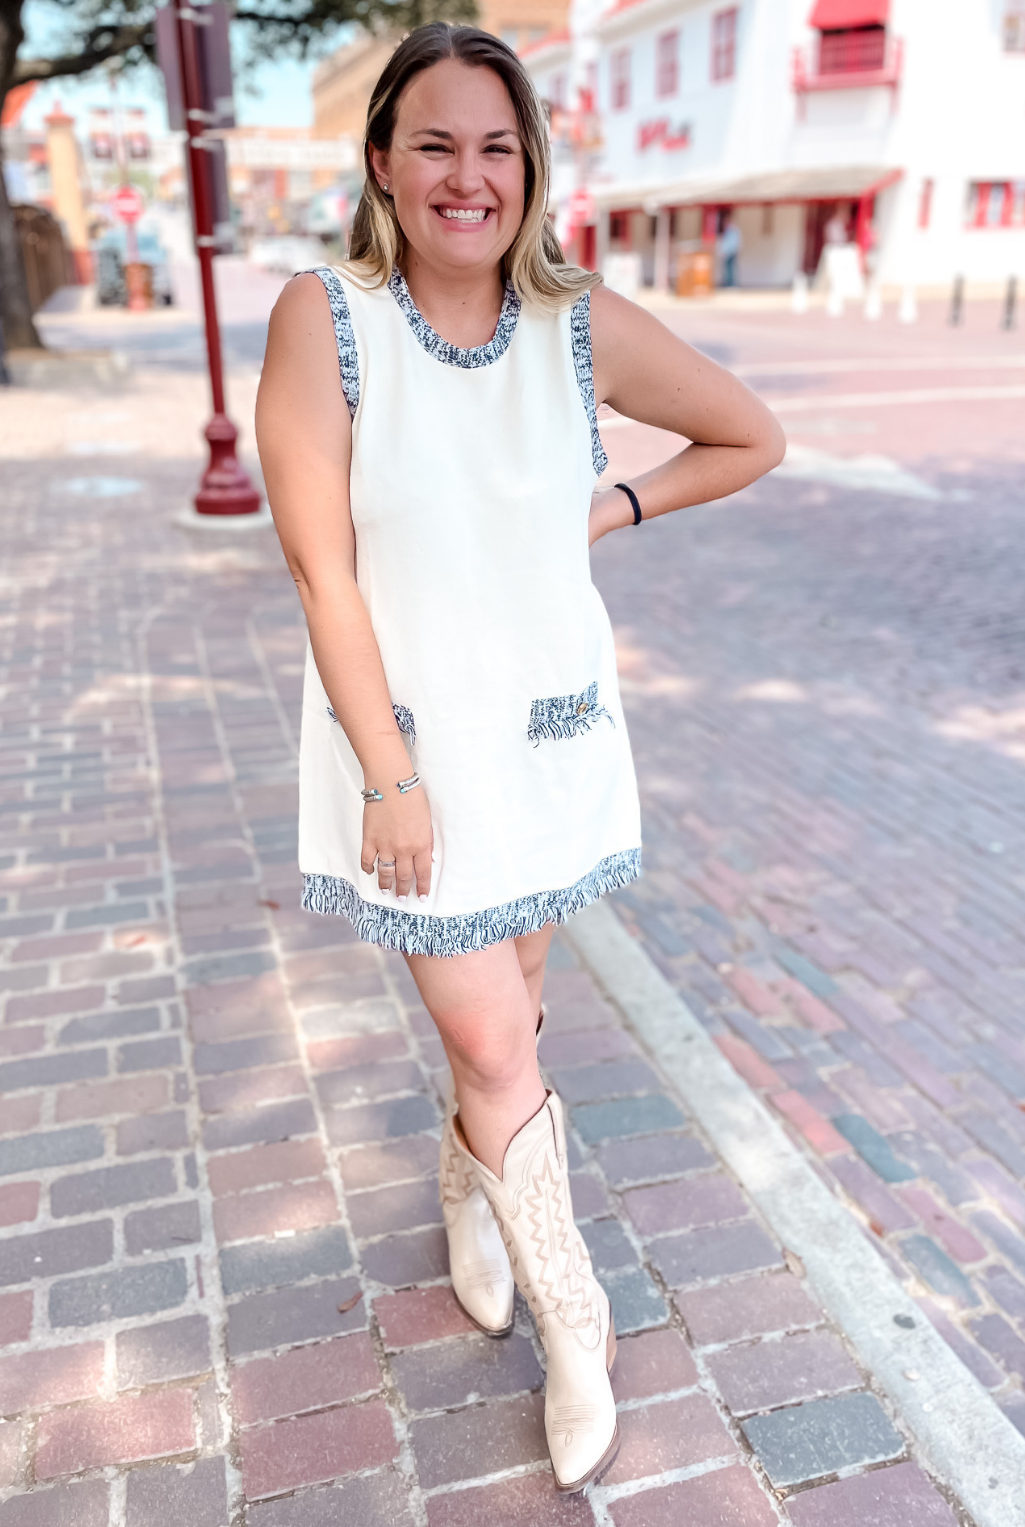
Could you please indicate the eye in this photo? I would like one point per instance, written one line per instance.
(497, 148)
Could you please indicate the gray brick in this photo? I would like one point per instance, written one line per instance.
(941, 1274)
(804, 971)
(56, 1147)
(119, 1024)
(823, 1437)
(415, 1257)
(609, 1079)
(507, 1433)
(194, 1495)
(84, 1504)
(700, 1256)
(48, 1070)
(174, 1349)
(874, 1148)
(238, 1054)
(108, 916)
(109, 1186)
(651, 1159)
(277, 1121)
(607, 1242)
(376, 1500)
(25, 1258)
(274, 1264)
(116, 1295)
(1011, 1245)
(453, 1372)
(406, 1206)
(627, 1116)
(376, 1079)
(228, 967)
(381, 1121)
(291, 1315)
(163, 1228)
(152, 1132)
(636, 1302)
(150, 1054)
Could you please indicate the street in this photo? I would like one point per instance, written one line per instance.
(223, 1273)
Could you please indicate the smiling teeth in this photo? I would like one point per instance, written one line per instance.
(466, 215)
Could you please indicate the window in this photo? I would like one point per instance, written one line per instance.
(855, 50)
(620, 79)
(1014, 28)
(925, 203)
(996, 204)
(724, 44)
(667, 64)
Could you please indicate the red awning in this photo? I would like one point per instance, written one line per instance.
(836, 15)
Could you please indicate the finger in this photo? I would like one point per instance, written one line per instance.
(422, 869)
(403, 876)
(368, 858)
(385, 872)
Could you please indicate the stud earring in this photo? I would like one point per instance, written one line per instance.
(386, 189)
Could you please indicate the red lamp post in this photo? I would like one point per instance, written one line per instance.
(225, 488)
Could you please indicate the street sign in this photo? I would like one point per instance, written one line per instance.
(581, 206)
(127, 204)
(216, 103)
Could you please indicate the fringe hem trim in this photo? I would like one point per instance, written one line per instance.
(420, 933)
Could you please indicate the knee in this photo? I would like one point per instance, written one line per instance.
(489, 1061)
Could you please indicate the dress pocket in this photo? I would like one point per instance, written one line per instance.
(561, 716)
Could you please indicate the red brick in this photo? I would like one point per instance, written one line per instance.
(23, 1040)
(527, 1501)
(298, 1207)
(356, 1050)
(818, 1131)
(311, 1449)
(761, 1001)
(50, 1004)
(232, 1009)
(372, 1166)
(283, 1161)
(245, 1089)
(673, 1435)
(123, 1095)
(882, 1210)
(15, 1317)
(20, 1115)
(419, 1315)
(684, 1204)
(763, 1376)
(10, 1453)
(57, 945)
(50, 1377)
(815, 1013)
(748, 1307)
(745, 1060)
(306, 1378)
(154, 1425)
(890, 1497)
(725, 1498)
(955, 1239)
(19, 1202)
(656, 1362)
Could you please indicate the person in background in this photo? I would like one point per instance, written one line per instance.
(729, 249)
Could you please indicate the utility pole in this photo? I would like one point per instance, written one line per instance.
(225, 487)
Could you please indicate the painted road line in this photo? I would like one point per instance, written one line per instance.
(964, 1437)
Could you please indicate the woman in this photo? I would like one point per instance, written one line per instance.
(426, 421)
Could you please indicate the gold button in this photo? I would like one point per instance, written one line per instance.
(581, 708)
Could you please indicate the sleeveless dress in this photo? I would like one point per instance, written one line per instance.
(470, 487)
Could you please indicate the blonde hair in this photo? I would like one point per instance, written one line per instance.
(534, 262)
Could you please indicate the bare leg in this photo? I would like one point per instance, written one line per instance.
(485, 1005)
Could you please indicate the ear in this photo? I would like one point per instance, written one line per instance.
(380, 159)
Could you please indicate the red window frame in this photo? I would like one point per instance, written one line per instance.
(996, 204)
(667, 64)
(925, 202)
(724, 44)
(619, 82)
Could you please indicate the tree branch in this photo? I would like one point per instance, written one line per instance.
(110, 43)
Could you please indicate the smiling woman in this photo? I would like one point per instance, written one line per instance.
(427, 425)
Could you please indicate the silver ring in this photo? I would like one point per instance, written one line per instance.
(386, 864)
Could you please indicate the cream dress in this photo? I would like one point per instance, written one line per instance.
(471, 481)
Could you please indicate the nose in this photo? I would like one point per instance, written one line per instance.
(465, 176)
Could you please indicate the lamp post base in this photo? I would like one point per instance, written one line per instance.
(225, 488)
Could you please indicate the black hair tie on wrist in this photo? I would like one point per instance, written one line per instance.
(632, 496)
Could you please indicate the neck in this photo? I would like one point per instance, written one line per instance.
(461, 305)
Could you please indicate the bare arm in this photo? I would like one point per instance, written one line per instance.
(304, 434)
(644, 371)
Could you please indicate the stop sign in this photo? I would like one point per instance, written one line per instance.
(581, 206)
(127, 203)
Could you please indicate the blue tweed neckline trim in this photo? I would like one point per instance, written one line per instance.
(441, 349)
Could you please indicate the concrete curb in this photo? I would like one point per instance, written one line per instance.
(964, 1437)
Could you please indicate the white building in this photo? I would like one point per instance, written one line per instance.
(906, 117)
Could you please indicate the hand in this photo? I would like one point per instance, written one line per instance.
(399, 829)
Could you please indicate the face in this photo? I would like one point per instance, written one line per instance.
(456, 167)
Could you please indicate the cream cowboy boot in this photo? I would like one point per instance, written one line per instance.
(553, 1271)
(479, 1265)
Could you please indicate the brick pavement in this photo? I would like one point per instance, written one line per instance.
(222, 1270)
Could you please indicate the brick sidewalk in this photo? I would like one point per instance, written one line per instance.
(222, 1263)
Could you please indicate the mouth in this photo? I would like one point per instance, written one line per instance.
(464, 217)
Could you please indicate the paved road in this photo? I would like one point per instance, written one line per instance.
(219, 1115)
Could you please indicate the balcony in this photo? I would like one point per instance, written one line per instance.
(854, 60)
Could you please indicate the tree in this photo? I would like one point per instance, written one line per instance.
(97, 30)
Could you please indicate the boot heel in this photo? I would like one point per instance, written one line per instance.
(610, 1346)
